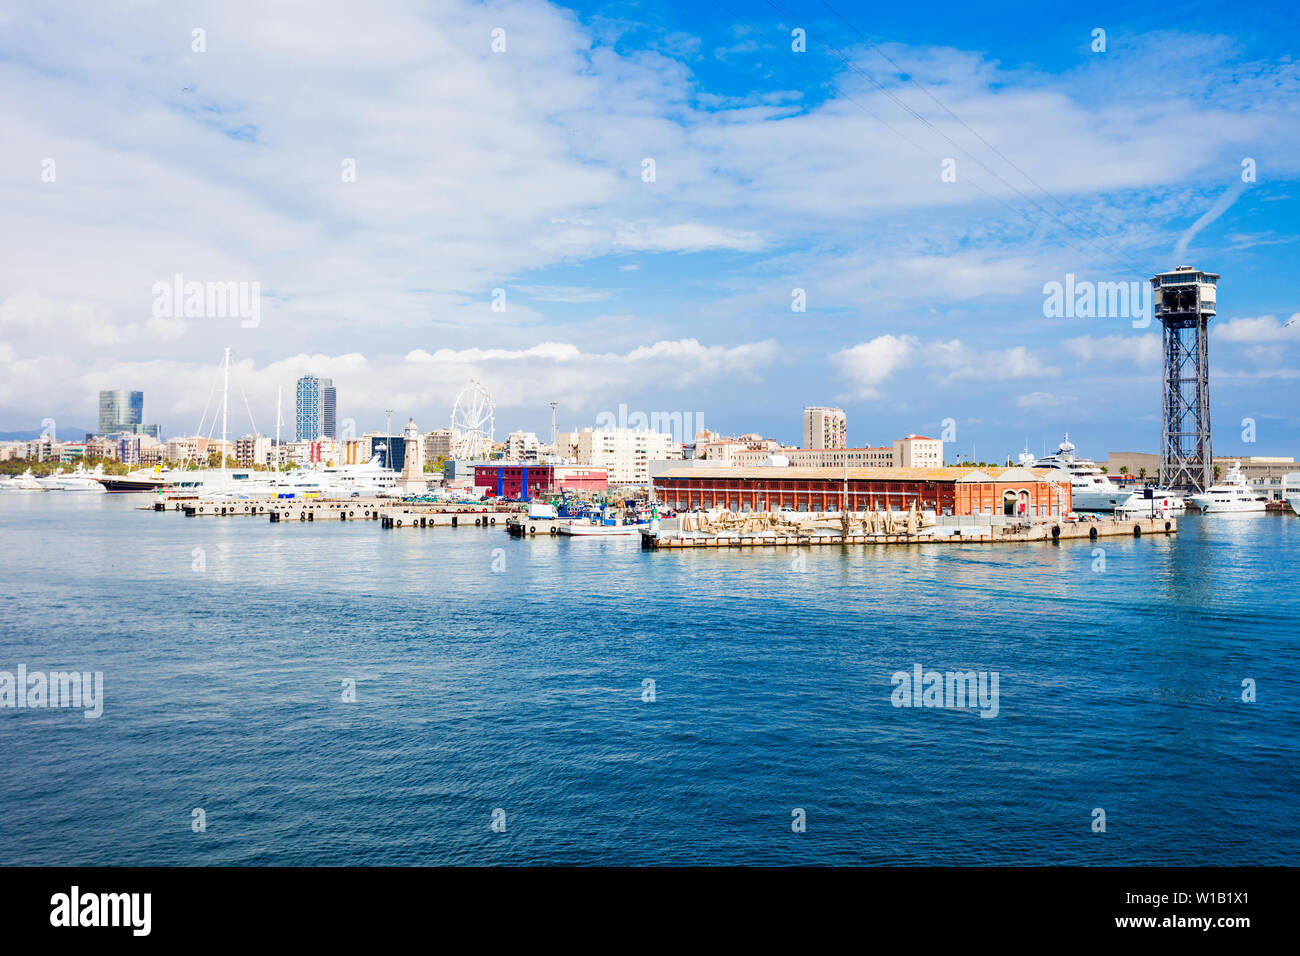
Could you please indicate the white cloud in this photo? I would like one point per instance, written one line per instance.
(1265, 354)
(1036, 400)
(964, 364)
(868, 364)
(686, 237)
(1110, 349)
(561, 293)
(1266, 328)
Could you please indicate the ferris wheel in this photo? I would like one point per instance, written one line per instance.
(472, 422)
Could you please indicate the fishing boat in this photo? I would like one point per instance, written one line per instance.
(604, 525)
(583, 530)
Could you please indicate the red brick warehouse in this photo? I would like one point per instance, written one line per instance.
(959, 491)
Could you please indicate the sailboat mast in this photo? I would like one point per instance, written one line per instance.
(279, 394)
(225, 409)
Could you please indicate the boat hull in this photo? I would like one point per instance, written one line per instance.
(599, 531)
(1209, 507)
(1101, 500)
(120, 485)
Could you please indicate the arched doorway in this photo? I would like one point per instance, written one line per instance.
(1009, 501)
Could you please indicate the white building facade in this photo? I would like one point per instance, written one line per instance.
(624, 453)
(825, 427)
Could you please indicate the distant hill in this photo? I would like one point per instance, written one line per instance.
(63, 432)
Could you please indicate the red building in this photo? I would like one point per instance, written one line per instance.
(959, 491)
(510, 480)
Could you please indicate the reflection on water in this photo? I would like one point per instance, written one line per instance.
(493, 671)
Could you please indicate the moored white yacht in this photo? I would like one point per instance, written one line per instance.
(1291, 490)
(1232, 494)
(78, 480)
(1090, 489)
(363, 480)
(1163, 501)
(26, 482)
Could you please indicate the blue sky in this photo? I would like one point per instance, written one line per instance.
(775, 170)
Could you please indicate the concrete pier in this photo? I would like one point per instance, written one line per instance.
(521, 526)
(407, 516)
(1052, 529)
(320, 509)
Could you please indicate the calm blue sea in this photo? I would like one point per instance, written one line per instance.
(224, 645)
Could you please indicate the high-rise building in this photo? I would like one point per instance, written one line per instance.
(328, 409)
(316, 408)
(121, 410)
(825, 427)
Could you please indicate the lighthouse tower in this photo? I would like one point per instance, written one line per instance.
(412, 479)
(1185, 300)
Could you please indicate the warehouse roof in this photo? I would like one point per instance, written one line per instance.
(832, 474)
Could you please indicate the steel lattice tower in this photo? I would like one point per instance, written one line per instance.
(1185, 300)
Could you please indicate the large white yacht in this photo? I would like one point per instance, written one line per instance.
(370, 479)
(1232, 494)
(78, 480)
(1089, 486)
(363, 480)
(1291, 490)
(25, 482)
